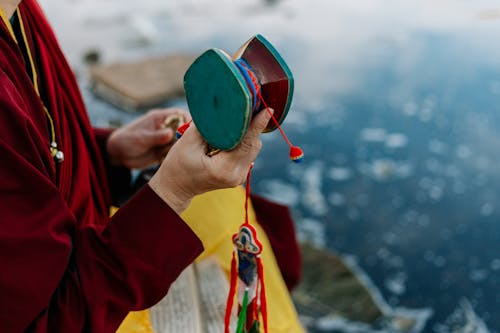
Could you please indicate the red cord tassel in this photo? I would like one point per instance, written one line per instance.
(296, 153)
(263, 300)
(230, 296)
(182, 129)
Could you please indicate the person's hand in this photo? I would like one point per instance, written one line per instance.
(188, 171)
(142, 142)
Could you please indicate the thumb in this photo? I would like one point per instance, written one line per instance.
(251, 144)
(259, 123)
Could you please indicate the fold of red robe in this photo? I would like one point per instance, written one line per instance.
(277, 222)
(64, 266)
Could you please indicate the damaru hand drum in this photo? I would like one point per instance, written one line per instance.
(223, 92)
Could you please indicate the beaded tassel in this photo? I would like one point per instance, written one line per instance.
(247, 275)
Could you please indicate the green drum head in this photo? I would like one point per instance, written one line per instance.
(218, 98)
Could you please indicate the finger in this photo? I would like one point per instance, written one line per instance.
(158, 137)
(251, 144)
(143, 161)
(160, 115)
(259, 123)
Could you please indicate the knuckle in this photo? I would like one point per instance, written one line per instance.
(261, 125)
(244, 145)
(258, 144)
(251, 144)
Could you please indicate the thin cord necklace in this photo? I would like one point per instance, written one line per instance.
(56, 154)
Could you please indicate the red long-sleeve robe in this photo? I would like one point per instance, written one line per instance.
(64, 267)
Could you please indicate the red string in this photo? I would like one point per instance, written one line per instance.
(296, 153)
(263, 300)
(247, 192)
(255, 310)
(274, 119)
(259, 95)
(230, 296)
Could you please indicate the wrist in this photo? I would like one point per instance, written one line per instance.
(170, 192)
(111, 149)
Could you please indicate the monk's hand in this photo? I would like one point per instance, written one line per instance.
(188, 171)
(142, 142)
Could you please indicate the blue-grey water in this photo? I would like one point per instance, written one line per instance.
(397, 106)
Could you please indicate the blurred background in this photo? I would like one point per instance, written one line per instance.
(397, 106)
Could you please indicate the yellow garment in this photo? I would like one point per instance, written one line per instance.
(137, 322)
(215, 217)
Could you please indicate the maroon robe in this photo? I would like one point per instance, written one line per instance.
(64, 266)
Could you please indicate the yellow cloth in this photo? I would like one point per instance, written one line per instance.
(137, 322)
(215, 217)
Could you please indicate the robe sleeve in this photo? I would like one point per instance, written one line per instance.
(119, 178)
(277, 222)
(57, 275)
